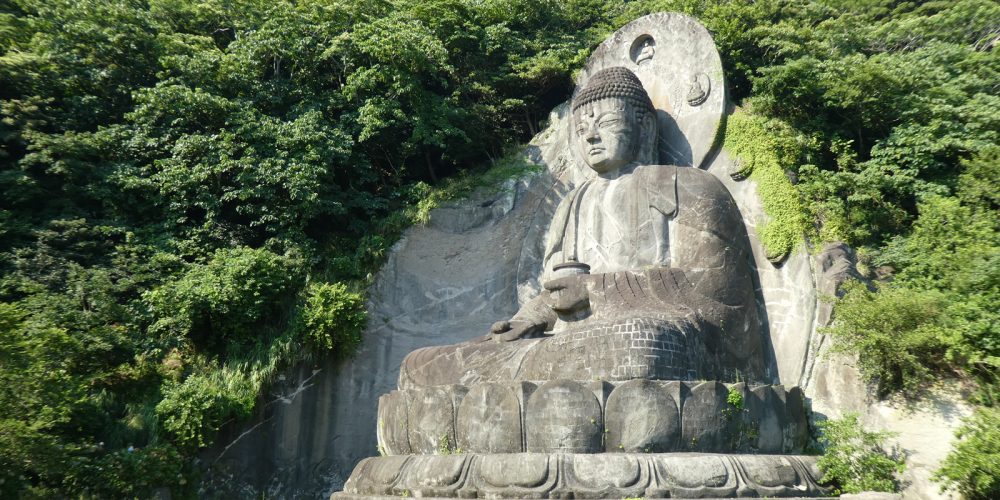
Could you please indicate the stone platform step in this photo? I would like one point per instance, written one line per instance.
(600, 475)
(565, 416)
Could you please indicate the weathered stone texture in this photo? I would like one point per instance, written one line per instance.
(489, 420)
(643, 416)
(605, 475)
(596, 416)
(563, 416)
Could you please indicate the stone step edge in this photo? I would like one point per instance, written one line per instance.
(634, 416)
(602, 475)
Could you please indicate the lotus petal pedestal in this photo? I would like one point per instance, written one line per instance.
(576, 475)
(590, 439)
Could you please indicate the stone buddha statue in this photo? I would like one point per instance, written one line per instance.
(619, 378)
(647, 273)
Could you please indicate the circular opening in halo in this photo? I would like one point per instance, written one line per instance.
(642, 49)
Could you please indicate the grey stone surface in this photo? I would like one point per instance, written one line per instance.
(564, 416)
(638, 415)
(705, 425)
(675, 58)
(605, 475)
(518, 472)
(766, 415)
(642, 416)
(796, 428)
(393, 431)
(489, 420)
(431, 419)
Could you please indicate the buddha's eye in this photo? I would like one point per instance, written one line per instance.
(581, 130)
(610, 122)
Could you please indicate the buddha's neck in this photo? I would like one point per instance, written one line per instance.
(618, 172)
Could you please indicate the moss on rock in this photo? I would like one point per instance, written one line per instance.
(763, 150)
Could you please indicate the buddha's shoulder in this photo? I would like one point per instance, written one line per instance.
(698, 193)
(693, 179)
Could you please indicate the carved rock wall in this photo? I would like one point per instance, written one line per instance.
(571, 475)
(443, 283)
(474, 262)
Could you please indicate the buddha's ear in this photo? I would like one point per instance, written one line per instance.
(648, 150)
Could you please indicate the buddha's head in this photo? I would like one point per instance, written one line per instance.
(614, 122)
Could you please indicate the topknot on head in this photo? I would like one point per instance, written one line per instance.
(614, 82)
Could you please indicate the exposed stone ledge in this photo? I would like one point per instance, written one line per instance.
(567, 416)
(604, 475)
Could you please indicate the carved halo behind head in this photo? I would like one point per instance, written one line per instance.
(675, 58)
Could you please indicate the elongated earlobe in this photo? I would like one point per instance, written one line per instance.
(648, 152)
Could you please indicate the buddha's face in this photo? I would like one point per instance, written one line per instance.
(606, 134)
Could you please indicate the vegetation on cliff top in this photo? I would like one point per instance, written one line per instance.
(196, 193)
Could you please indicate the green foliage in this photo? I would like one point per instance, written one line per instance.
(223, 302)
(892, 114)
(191, 411)
(195, 192)
(333, 317)
(897, 334)
(52, 376)
(939, 313)
(765, 149)
(854, 459)
(734, 398)
(973, 467)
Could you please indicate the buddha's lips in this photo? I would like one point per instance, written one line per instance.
(595, 151)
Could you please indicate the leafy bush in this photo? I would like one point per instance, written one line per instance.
(973, 467)
(895, 332)
(333, 317)
(855, 460)
(938, 315)
(192, 411)
(225, 300)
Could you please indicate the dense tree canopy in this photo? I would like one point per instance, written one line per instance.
(195, 192)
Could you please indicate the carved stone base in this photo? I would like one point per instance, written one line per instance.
(601, 475)
(565, 416)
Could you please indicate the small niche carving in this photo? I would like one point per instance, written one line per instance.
(699, 89)
(643, 49)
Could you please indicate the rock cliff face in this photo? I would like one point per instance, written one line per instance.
(443, 283)
(472, 265)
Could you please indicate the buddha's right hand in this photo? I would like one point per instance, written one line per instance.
(514, 329)
(568, 294)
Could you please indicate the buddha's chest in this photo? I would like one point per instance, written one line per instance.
(618, 229)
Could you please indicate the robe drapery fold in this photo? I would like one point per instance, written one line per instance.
(613, 224)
